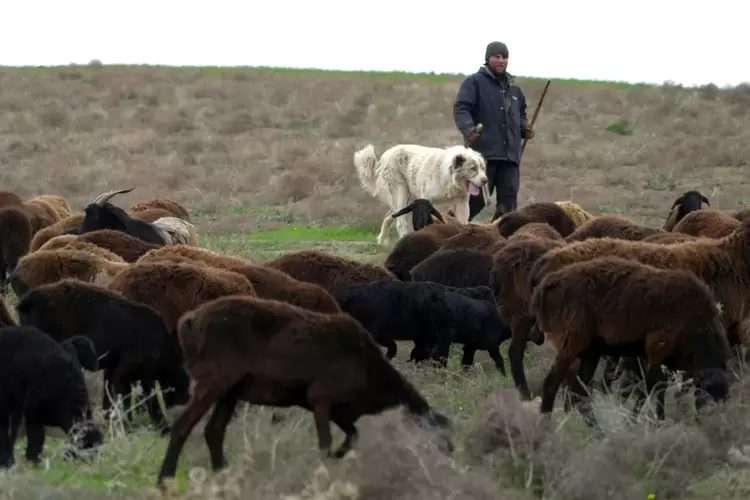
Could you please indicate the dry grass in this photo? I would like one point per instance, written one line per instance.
(246, 150)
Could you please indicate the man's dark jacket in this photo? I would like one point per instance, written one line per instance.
(500, 106)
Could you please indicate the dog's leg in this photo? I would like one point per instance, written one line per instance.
(401, 199)
(462, 211)
(385, 227)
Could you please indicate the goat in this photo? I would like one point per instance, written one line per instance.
(100, 214)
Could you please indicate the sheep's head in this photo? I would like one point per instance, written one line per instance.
(422, 211)
(512, 222)
(100, 214)
(468, 170)
(689, 201)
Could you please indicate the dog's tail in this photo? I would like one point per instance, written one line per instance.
(365, 162)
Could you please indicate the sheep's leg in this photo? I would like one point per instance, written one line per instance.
(217, 426)
(553, 379)
(495, 355)
(34, 441)
(468, 357)
(351, 436)
(6, 444)
(322, 415)
(589, 362)
(15, 425)
(520, 332)
(392, 349)
(203, 397)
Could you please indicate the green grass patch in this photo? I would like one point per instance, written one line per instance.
(315, 233)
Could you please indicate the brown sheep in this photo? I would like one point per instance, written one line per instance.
(58, 203)
(75, 244)
(688, 201)
(509, 280)
(413, 248)
(15, 238)
(59, 242)
(548, 212)
(268, 283)
(267, 352)
(128, 247)
(536, 230)
(707, 223)
(174, 208)
(621, 307)
(173, 288)
(457, 267)
(612, 226)
(150, 214)
(58, 228)
(575, 211)
(40, 213)
(332, 272)
(474, 236)
(668, 238)
(720, 263)
(48, 266)
(741, 214)
(10, 199)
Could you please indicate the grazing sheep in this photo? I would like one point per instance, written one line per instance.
(612, 226)
(668, 238)
(126, 246)
(40, 213)
(720, 263)
(422, 212)
(689, 201)
(475, 236)
(41, 382)
(461, 267)
(47, 266)
(536, 230)
(268, 283)
(10, 199)
(100, 214)
(621, 307)
(172, 288)
(250, 349)
(71, 242)
(180, 232)
(174, 208)
(330, 271)
(575, 211)
(707, 223)
(413, 248)
(15, 238)
(509, 280)
(551, 213)
(68, 225)
(130, 338)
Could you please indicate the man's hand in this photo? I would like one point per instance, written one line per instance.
(528, 133)
(472, 137)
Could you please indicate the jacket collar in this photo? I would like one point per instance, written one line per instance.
(505, 80)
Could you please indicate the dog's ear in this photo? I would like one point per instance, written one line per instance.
(458, 161)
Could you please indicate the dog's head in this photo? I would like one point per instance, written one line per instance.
(468, 169)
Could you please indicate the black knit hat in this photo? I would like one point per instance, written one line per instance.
(495, 48)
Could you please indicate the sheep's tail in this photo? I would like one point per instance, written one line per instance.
(365, 162)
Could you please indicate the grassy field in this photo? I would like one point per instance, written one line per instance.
(262, 158)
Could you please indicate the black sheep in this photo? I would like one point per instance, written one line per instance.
(42, 383)
(130, 338)
(421, 213)
(459, 267)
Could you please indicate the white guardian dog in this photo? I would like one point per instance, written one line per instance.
(409, 171)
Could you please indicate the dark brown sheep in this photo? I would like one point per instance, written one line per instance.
(63, 226)
(474, 236)
(47, 266)
(128, 247)
(71, 242)
(268, 283)
(332, 272)
(612, 226)
(172, 288)
(40, 213)
(459, 267)
(621, 307)
(174, 208)
(548, 212)
(536, 230)
(413, 248)
(707, 223)
(267, 352)
(10, 199)
(669, 238)
(721, 263)
(689, 201)
(509, 280)
(15, 238)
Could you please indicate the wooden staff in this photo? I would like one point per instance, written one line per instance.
(536, 113)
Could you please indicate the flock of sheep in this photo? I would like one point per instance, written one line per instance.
(129, 292)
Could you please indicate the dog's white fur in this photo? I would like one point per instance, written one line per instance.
(409, 171)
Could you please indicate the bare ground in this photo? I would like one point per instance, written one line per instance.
(247, 150)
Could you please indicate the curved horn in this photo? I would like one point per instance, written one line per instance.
(105, 197)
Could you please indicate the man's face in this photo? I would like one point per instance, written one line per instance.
(498, 63)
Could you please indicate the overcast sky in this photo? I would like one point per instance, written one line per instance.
(688, 42)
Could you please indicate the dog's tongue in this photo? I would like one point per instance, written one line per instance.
(473, 189)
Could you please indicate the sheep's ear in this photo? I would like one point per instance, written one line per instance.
(408, 208)
(82, 349)
(705, 200)
(678, 201)
(458, 161)
(434, 212)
